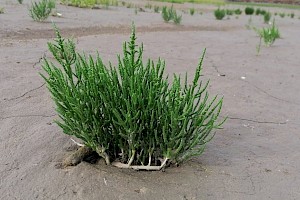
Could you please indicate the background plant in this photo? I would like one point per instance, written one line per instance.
(249, 23)
(258, 47)
(257, 11)
(260, 11)
(229, 12)
(1, 10)
(156, 9)
(192, 11)
(269, 34)
(166, 15)
(292, 15)
(177, 18)
(267, 17)
(20, 1)
(148, 5)
(130, 114)
(91, 3)
(219, 14)
(249, 11)
(282, 15)
(129, 5)
(136, 10)
(263, 12)
(40, 11)
(238, 11)
(169, 14)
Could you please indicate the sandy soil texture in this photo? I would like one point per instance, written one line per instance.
(255, 156)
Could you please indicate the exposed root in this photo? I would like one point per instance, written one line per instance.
(141, 167)
(77, 143)
(77, 156)
(101, 152)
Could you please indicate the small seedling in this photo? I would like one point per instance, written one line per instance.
(263, 12)
(220, 14)
(269, 35)
(1, 10)
(249, 23)
(258, 47)
(238, 11)
(166, 15)
(169, 14)
(129, 5)
(40, 11)
(282, 15)
(249, 11)
(148, 5)
(257, 11)
(136, 10)
(156, 9)
(177, 18)
(267, 17)
(192, 11)
(229, 12)
(184, 11)
(106, 3)
(292, 15)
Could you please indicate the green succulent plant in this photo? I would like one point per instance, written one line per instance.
(169, 14)
(40, 11)
(192, 11)
(238, 11)
(219, 14)
(269, 34)
(249, 11)
(130, 114)
(267, 17)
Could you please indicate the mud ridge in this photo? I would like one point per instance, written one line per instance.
(29, 34)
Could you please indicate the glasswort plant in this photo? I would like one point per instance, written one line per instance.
(219, 14)
(269, 35)
(192, 11)
(171, 14)
(267, 17)
(130, 114)
(40, 11)
(249, 11)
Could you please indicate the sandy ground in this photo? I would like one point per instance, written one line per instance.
(255, 156)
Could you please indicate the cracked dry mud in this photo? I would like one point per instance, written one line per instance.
(255, 156)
